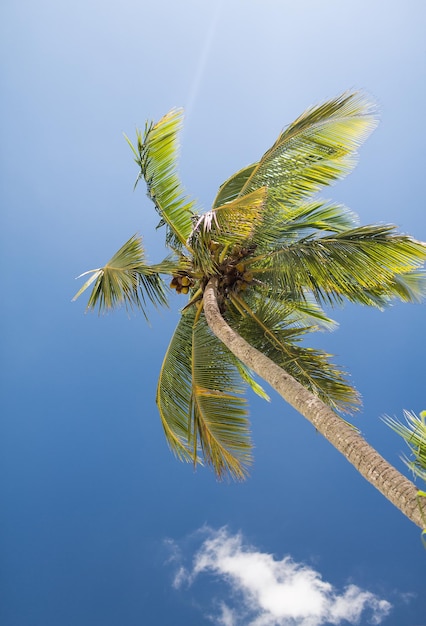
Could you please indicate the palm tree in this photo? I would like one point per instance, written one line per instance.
(258, 268)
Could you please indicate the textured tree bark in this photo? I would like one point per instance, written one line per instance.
(391, 483)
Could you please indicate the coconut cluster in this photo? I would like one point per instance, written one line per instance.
(232, 272)
(182, 283)
(236, 277)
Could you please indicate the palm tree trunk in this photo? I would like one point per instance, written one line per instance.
(391, 483)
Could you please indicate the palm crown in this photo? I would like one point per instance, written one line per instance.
(278, 253)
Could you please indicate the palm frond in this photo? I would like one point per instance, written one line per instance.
(156, 155)
(231, 188)
(220, 413)
(314, 151)
(311, 217)
(174, 391)
(199, 400)
(288, 224)
(273, 328)
(304, 313)
(414, 433)
(369, 265)
(127, 279)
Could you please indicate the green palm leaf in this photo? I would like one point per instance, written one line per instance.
(174, 390)
(276, 329)
(414, 433)
(127, 279)
(305, 313)
(199, 400)
(369, 265)
(410, 287)
(231, 188)
(293, 223)
(156, 155)
(317, 149)
(288, 224)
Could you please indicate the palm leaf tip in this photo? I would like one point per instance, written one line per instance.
(94, 275)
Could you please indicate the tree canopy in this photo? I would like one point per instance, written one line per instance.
(279, 254)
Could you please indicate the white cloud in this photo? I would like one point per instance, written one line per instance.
(269, 592)
(227, 616)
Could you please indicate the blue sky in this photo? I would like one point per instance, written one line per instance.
(99, 523)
